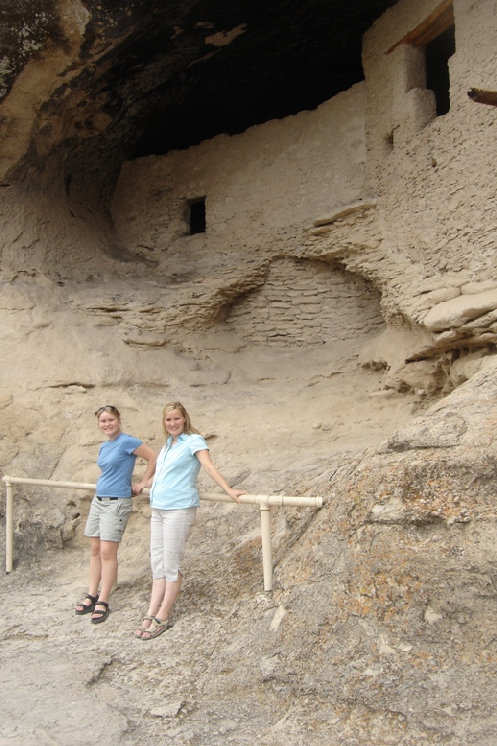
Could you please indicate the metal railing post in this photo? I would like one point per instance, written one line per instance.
(9, 525)
(267, 548)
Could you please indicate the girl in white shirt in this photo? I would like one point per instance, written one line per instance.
(174, 501)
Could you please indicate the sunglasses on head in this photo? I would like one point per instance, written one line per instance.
(107, 408)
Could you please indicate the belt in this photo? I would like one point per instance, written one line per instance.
(106, 498)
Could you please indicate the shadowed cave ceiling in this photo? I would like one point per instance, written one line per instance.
(148, 77)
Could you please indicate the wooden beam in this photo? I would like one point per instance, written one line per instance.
(483, 97)
(435, 24)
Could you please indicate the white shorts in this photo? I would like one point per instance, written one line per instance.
(169, 532)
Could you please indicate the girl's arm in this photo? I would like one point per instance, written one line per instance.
(148, 454)
(205, 460)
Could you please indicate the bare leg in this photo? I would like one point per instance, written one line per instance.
(160, 606)
(108, 557)
(156, 598)
(157, 595)
(108, 560)
(95, 566)
(95, 571)
(173, 589)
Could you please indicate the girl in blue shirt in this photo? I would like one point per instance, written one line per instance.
(174, 501)
(110, 508)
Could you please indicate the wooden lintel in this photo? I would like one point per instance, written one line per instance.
(435, 24)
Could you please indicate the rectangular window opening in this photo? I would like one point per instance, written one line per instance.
(197, 216)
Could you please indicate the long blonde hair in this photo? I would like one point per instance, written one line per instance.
(188, 427)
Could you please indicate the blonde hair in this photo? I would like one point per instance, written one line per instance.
(188, 427)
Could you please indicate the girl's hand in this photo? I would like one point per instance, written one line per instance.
(204, 457)
(235, 494)
(136, 489)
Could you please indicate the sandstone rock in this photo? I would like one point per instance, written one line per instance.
(456, 312)
(348, 249)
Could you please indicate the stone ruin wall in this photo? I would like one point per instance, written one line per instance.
(372, 192)
(262, 191)
(433, 175)
(303, 303)
(261, 187)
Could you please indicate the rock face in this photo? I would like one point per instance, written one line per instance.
(320, 291)
(142, 78)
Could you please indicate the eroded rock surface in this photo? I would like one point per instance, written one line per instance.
(331, 329)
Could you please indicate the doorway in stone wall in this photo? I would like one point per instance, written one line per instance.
(438, 52)
(436, 36)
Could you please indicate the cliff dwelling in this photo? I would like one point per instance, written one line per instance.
(281, 214)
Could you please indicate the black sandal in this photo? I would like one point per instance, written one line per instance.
(87, 608)
(103, 614)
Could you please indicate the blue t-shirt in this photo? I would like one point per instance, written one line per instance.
(176, 472)
(117, 461)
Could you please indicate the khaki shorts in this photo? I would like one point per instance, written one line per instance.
(107, 518)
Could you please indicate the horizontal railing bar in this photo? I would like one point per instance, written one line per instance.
(48, 483)
(263, 501)
(287, 500)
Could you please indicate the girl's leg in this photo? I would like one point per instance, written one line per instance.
(95, 572)
(157, 596)
(162, 599)
(173, 588)
(108, 559)
(175, 532)
(156, 561)
(95, 566)
(113, 520)
(171, 593)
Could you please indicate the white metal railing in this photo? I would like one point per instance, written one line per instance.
(265, 503)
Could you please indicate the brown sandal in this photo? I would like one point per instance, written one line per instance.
(156, 628)
(139, 632)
